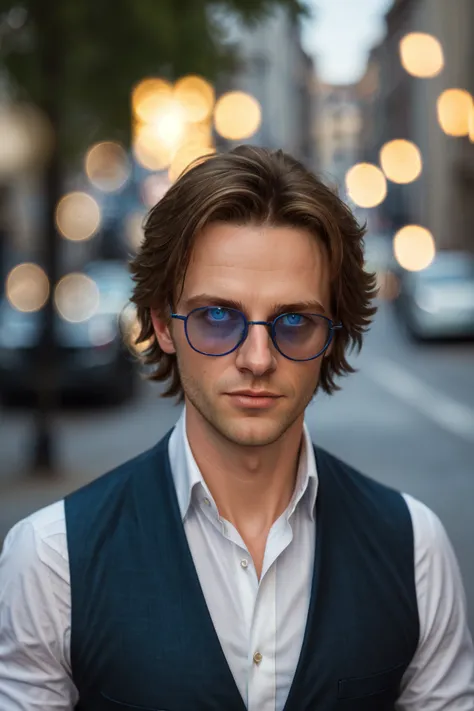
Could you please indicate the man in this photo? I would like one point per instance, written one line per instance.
(234, 565)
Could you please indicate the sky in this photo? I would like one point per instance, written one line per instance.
(341, 34)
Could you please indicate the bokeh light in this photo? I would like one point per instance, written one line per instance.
(78, 216)
(237, 115)
(130, 328)
(454, 107)
(421, 55)
(401, 161)
(197, 97)
(185, 156)
(153, 188)
(30, 138)
(134, 229)
(471, 124)
(107, 166)
(414, 248)
(149, 97)
(76, 297)
(366, 185)
(150, 150)
(27, 287)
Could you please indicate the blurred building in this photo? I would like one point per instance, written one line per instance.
(406, 107)
(274, 68)
(338, 128)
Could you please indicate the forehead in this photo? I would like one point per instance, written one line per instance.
(258, 264)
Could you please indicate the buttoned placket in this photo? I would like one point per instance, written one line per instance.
(258, 604)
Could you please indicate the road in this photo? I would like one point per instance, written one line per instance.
(406, 418)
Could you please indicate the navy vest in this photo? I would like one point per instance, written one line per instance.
(142, 636)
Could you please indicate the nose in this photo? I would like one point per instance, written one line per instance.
(257, 352)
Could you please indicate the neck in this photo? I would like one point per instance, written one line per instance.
(251, 486)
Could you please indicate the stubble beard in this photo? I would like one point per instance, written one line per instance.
(255, 430)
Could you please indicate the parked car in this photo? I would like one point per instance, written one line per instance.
(438, 302)
(92, 356)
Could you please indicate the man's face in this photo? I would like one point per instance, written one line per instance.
(258, 267)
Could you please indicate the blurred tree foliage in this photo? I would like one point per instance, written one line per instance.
(78, 59)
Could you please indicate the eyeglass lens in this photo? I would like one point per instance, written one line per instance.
(216, 330)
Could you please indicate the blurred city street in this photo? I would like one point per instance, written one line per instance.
(406, 418)
(375, 97)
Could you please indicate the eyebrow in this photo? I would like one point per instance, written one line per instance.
(276, 308)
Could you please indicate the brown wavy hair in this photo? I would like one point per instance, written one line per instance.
(261, 187)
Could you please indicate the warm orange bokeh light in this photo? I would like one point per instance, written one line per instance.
(471, 124)
(414, 247)
(237, 115)
(76, 297)
(401, 161)
(78, 216)
(185, 156)
(421, 55)
(366, 185)
(149, 97)
(454, 107)
(196, 96)
(150, 150)
(107, 166)
(27, 287)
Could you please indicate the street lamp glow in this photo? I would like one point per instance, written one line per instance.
(237, 115)
(107, 166)
(149, 97)
(421, 55)
(196, 96)
(76, 297)
(471, 124)
(149, 149)
(366, 185)
(27, 287)
(77, 216)
(401, 161)
(454, 108)
(186, 155)
(414, 248)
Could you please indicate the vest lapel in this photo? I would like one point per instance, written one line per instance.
(192, 585)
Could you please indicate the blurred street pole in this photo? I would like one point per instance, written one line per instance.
(44, 460)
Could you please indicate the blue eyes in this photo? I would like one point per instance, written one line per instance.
(219, 314)
(292, 320)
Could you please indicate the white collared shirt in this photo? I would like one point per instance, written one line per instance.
(260, 624)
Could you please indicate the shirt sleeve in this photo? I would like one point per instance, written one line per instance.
(33, 672)
(441, 675)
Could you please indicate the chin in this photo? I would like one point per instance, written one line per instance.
(251, 431)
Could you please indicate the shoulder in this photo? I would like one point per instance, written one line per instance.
(436, 564)
(40, 535)
(34, 560)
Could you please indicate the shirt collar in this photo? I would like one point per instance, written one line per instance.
(187, 476)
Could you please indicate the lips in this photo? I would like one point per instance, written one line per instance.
(255, 393)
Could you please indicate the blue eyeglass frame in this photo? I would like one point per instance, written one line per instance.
(269, 324)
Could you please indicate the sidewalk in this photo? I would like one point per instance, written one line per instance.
(88, 443)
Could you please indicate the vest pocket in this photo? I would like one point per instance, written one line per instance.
(363, 686)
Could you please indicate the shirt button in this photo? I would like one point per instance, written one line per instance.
(207, 502)
(257, 657)
(244, 563)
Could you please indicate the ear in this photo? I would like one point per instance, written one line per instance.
(162, 332)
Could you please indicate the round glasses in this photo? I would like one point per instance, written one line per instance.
(217, 331)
